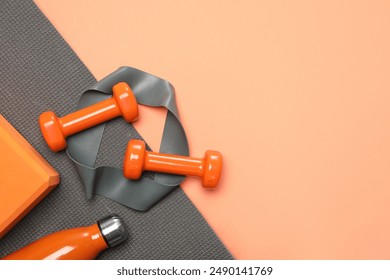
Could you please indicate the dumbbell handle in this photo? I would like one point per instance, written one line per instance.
(176, 164)
(89, 116)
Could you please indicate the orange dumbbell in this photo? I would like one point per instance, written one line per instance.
(55, 130)
(137, 159)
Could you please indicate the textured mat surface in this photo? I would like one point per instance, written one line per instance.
(38, 72)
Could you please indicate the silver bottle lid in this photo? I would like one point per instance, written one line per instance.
(113, 230)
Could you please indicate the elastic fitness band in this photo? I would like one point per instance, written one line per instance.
(109, 181)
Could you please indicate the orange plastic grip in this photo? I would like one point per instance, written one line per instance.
(55, 130)
(137, 159)
(83, 243)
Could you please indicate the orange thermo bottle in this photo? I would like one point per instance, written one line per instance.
(83, 243)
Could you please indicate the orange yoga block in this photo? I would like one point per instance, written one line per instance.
(25, 177)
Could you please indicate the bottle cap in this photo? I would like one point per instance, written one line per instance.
(113, 230)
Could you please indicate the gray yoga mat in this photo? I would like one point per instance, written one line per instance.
(40, 72)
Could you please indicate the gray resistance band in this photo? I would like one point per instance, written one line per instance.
(109, 181)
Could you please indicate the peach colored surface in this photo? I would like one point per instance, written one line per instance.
(295, 94)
